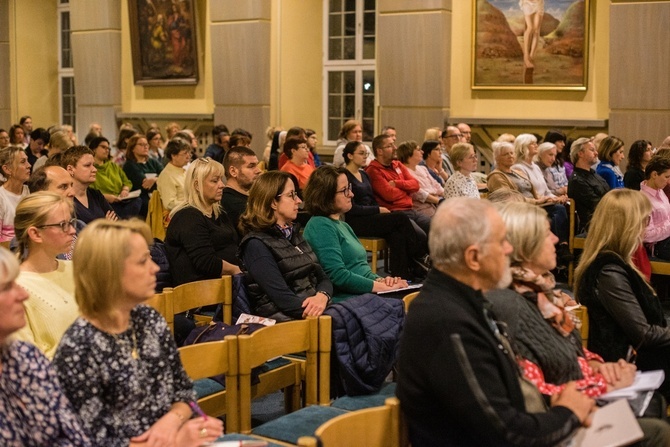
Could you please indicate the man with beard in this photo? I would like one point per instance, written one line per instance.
(240, 165)
(458, 381)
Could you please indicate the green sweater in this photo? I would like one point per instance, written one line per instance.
(110, 179)
(341, 255)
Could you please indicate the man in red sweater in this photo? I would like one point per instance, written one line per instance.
(393, 184)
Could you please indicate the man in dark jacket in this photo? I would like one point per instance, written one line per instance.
(585, 187)
(458, 381)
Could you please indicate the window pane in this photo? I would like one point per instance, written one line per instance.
(66, 48)
(334, 126)
(335, 82)
(369, 48)
(335, 49)
(370, 5)
(368, 129)
(334, 106)
(349, 48)
(335, 5)
(368, 82)
(349, 81)
(335, 25)
(350, 5)
(369, 23)
(349, 106)
(350, 24)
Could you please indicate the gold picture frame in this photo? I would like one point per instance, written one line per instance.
(163, 42)
(507, 53)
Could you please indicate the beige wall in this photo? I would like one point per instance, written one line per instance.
(530, 105)
(33, 55)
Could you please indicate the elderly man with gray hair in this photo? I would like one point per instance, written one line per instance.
(585, 187)
(458, 380)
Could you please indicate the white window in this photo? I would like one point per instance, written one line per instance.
(68, 104)
(349, 65)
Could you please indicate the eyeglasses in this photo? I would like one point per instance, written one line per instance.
(471, 157)
(64, 225)
(365, 154)
(346, 190)
(292, 194)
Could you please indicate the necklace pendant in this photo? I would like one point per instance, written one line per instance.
(134, 354)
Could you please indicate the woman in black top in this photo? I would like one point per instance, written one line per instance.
(638, 157)
(368, 219)
(201, 241)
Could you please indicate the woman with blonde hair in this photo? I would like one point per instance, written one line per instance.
(432, 133)
(33, 409)
(352, 130)
(14, 173)
(118, 363)
(200, 240)
(45, 228)
(461, 183)
(284, 278)
(626, 318)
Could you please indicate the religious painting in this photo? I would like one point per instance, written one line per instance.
(163, 41)
(530, 44)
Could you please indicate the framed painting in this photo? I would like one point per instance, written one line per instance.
(530, 44)
(163, 42)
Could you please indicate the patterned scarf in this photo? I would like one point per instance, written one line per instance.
(551, 302)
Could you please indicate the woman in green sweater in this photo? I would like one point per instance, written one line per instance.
(112, 182)
(327, 197)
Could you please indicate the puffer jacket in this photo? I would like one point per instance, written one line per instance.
(366, 333)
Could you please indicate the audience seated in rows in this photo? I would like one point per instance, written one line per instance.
(283, 276)
(118, 364)
(217, 150)
(340, 253)
(432, 160)
(462, 183)
(39, 138)
(241, 169)
(369, 220)
(458, 380)
(563, 165)
(430, 193)
(45, 228)
(155, 140)
(639, 155)
(351, 130)
(170, 183)
(59, 142)
(393, 185)
(554, 174)
(142, 170)
(586, 187)
(201, 242)
(295, 132)
(112, 181)
(15, 171)
(610, 153)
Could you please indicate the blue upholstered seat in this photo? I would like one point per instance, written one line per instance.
(292, 426)
(353, 403)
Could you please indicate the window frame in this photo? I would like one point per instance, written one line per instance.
(65, 72)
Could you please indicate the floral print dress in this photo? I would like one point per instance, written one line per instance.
(33, 410)
(122, 384)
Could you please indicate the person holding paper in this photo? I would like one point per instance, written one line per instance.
(327, 197)
(545, 334)
(141, 169)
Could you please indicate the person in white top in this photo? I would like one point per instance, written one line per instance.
(45, 228)
(462, 184)
(352, 130)
(15, 170)
(430, 192)
(526, 148)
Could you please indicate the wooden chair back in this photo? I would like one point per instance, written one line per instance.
(371, 427)
(583, 314)
(163, 304)
(407, 299)
(275, 341)
(325, 346)
(210, 359)
(204, 293)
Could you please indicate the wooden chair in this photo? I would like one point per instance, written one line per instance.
(407, 299)
(325, 346)
(375, 245)
(203, 293)
(583, 314)
(156, 216)
(163, 304)
(574, 242)
(5, 244)
(371, 427)
(204, 360)
(274, 341)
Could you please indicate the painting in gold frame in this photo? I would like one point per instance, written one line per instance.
(163, 42)
(530, 44)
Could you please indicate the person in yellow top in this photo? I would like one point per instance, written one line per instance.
(45, 227)
(170, 182)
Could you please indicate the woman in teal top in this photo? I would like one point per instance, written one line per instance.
(327, 197)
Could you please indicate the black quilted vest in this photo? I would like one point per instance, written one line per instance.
(296, 261)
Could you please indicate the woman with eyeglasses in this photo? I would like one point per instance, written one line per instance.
(626, 319)
(200, 240)
(45, 228)
(141, 169)
(328, 197)
(352, 131)
(368, 219)
(430, 192)
(461, 183)
(297, 152)
(283, 276)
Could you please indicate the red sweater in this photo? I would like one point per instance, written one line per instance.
(394, 198)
